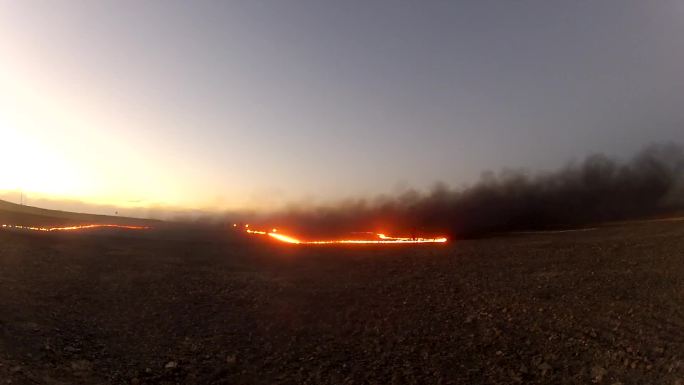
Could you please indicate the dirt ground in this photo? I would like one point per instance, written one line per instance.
(604, 306)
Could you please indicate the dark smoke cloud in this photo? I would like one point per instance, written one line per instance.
(598, 189)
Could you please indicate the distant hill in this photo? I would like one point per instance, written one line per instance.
(12, 213)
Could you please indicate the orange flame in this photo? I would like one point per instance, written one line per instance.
(379, 239)
(70, 228)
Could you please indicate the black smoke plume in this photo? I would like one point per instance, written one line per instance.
(595, 190)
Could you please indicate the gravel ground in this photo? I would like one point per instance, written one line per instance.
(603, 306)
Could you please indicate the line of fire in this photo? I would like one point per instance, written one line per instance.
(372, 238)
(274, 234)
(73, 228)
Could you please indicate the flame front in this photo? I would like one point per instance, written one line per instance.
(380, 239)
(71, 228)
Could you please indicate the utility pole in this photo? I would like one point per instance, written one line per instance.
(21, 199)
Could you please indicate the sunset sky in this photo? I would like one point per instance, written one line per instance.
(252, 104)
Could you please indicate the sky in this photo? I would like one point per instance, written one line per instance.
(255, 104)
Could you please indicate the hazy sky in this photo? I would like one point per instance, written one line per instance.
(228, 104)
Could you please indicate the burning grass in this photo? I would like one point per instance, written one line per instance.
(73, 228)
(370, 238)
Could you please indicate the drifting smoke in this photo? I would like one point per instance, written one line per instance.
(598, 189)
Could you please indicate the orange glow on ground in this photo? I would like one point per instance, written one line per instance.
(378, 238)
(71, 228)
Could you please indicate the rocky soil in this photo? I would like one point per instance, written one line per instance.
(599, 306)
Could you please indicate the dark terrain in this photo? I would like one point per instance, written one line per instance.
(603, 305)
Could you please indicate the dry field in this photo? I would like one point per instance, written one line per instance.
(604, 306)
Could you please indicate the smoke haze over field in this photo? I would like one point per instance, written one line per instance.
(594, 190)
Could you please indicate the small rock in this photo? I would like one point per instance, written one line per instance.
(545, 368)
(597, 374)
(515, 377)
(33, 326)
(171, 365)
(81, 365)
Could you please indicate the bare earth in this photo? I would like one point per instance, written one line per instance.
(604, 305)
